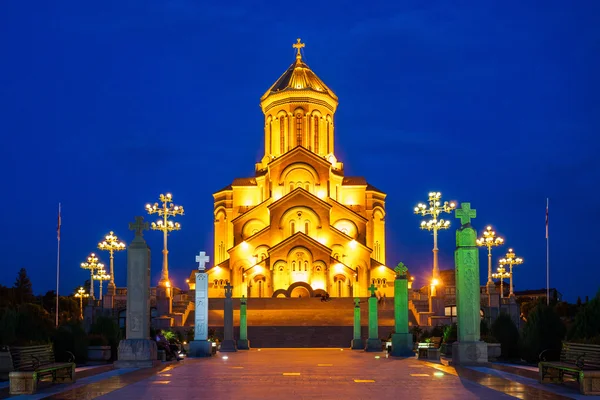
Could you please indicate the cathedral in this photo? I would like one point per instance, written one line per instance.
(299, 227)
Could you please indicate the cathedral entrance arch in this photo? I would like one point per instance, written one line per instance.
(300, 289)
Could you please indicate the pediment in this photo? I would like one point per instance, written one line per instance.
(300, 239)
(299, 196)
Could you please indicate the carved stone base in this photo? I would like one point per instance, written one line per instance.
(589, 384)
(228, 346)
(373, 345)
(402, 345)
(137, 353)
(469, 353)
(357, 344)
(243, 345)
(200, 348)
(23, 382)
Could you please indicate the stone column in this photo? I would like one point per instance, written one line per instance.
(200, 346)
(402, 340)
(373, 342)
(469, 349)
(357, 342)
(138, 350)
(243, 343)
(228, 343)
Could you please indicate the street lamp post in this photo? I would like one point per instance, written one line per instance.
(168, 209)
(81, 294)
(501, 274)
(92, 264)
(101, 276)
(435, 209)
(511, 260)
(111, 244)
(489, 240)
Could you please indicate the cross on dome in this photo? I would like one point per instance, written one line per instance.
(298, 45)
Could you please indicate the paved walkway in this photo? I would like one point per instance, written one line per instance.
(306, 374)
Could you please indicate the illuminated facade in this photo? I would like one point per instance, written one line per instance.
(299, 227)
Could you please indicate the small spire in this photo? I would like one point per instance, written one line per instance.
(298, 45)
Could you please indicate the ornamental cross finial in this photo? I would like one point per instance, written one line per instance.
(228, 288)
(202, 259)
(401, 269)
(298, 45)
(372, 289)
(465, 213)
(139, 226)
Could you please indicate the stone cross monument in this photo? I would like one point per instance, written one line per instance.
(402, 340)
(373, 342)
(468, 349)
(200, 346)
(243, 343)
(228, 342)
(357, 342)
(138, 350)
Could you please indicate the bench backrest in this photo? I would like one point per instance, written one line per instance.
(29, 357)
(586, 356)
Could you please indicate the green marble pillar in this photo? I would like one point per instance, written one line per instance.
(243, 343)
(357, 342)
(468, 349)
(402, 340)
(373, 342)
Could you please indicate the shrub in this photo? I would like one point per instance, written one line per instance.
(543, 331)
(8, 326)
(109, 328)
(97, 340)
(505, 330)
(70, 337)
(450, 333)
(34, 325)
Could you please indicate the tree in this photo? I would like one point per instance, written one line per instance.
(23, 288)
(507, 334)
(578, 301)
(587, 321)
(544, 330)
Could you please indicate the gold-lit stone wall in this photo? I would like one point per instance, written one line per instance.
(299, 227)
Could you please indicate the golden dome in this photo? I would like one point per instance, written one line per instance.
(299, 77)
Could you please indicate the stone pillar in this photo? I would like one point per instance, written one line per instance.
(228, 343)
(200, 346)
(402, 340)
(108, 300)
(469, 349)
(164, 301)
(243, 343)
(138, 350)
(373, 342)
(357, 342)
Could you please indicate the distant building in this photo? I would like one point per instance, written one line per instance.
(536, 294)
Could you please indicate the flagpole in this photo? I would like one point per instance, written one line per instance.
(57, 262)
(547, 257)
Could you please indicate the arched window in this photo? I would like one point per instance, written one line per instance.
(281, 135)
(292, 227)
(328, 148)
(306, 228)
(215, 283)
(318, 269)
(270, 137)
(307, 186)
(263, 256)
(316, 134)
(291, 186)
(336, 256)
(305, 266)
(280, 269)
(293, 265)
(299, 129)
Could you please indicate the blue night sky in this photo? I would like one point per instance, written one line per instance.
(105, 105)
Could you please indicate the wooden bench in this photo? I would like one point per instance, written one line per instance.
(429, 350)
(33, 363)
(582, 361)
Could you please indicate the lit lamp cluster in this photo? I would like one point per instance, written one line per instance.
(81, 294)
(435, 208)
(166, 210)
(489, 240)
(511, 260)
(111, 244)
(501, 274)
(101, 276)
(92, 265)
